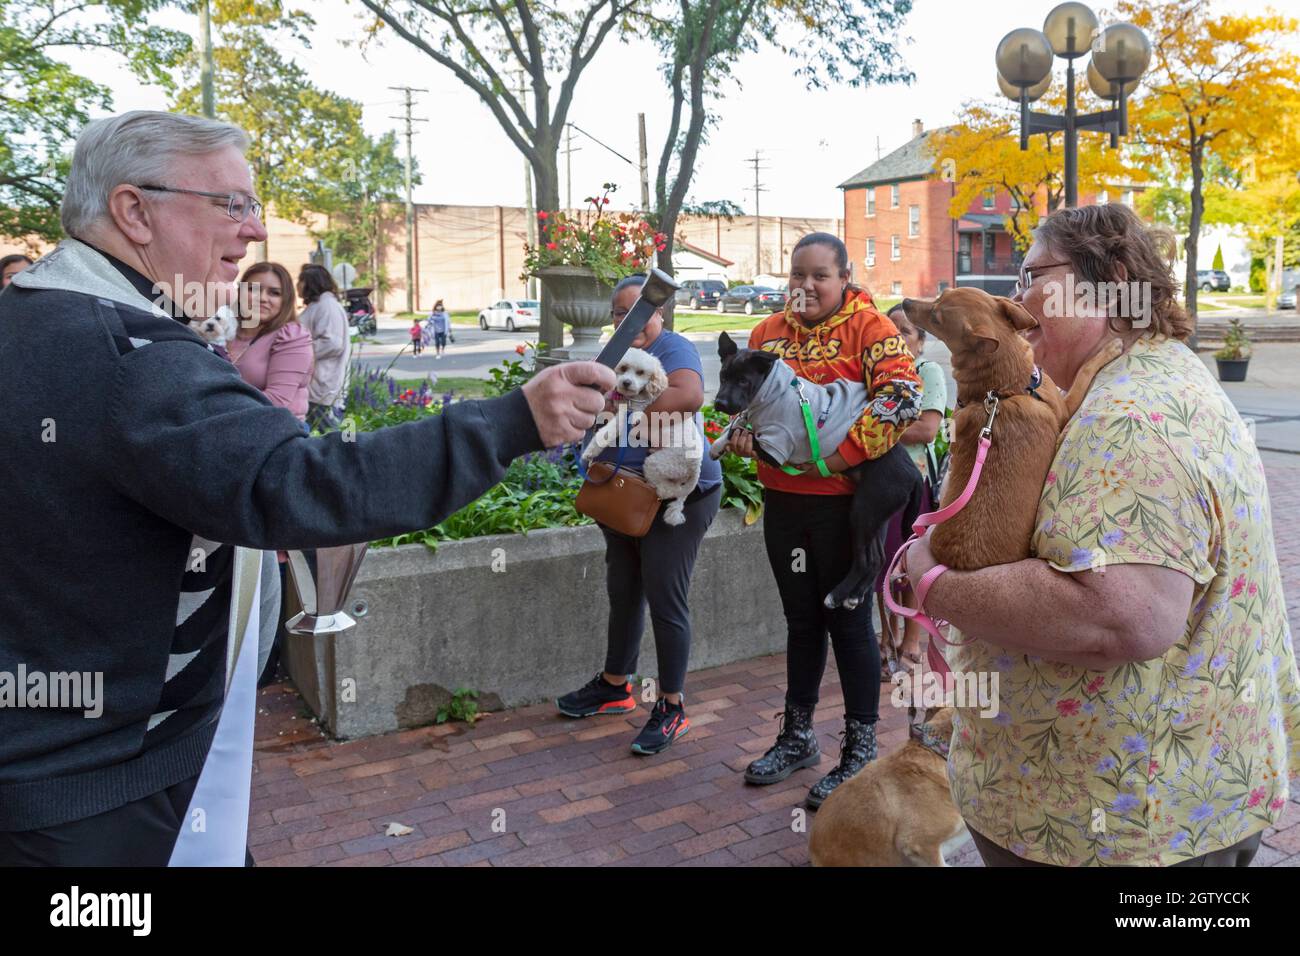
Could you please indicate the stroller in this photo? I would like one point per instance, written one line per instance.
(360, 312)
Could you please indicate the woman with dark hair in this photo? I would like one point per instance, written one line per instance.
(1149, 704)
(272, 350)
(326, 321)
(439, 326)
(830, 329)
(654, 569)
(11, 265)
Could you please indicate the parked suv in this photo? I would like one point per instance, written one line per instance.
(1213, 280)
(698, 293)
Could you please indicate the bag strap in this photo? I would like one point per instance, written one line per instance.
(618, 461)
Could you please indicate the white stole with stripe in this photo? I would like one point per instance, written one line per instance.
(214, 830)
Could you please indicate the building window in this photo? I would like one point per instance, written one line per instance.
(896, 289)
(893, 196)
(963, 254)
(990, 198)
(1103, 198)
(913, 221)
(871, 253)
(895, 248)
(871, 201)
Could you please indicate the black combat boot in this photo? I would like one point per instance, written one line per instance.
(795, 747)
(857, 749)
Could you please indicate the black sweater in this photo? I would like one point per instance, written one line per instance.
(158, 440)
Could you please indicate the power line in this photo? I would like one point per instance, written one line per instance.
(605, 145)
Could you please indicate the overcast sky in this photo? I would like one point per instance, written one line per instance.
(808, 142)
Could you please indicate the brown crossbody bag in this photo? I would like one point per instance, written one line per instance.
(620, 500)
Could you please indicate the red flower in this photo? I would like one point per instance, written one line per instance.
(1094, 685)
(1252, 589)
(519, 349)
(1067, 708)
(541, 215)
(1256, 795)
(550, 245)
(1238, 585)
(1277, 804)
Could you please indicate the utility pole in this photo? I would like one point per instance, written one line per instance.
(206, 70)
(530, 212)
(569, 150)
(410, 206)
(645, 164)
(758, 217)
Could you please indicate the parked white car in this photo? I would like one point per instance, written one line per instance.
(511, 314)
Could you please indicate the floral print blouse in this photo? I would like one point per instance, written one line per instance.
(1154, 762)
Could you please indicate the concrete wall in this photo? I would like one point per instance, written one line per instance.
(435, 622)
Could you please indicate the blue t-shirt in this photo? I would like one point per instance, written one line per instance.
(675, 352)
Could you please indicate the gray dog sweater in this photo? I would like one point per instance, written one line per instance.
(777, 416)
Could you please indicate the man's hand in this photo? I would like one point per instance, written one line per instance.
(563, 404)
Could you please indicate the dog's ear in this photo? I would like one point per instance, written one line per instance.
(658, 383)
(726, 347)
(1016, 314)
(985, 345)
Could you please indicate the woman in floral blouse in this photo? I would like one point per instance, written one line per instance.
(1149, 706)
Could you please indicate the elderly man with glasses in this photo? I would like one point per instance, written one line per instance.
(142, 474)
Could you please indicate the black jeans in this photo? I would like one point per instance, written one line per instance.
(810, 550)
(1239, 854)
(655, 570)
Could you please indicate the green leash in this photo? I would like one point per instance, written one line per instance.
(812, 436)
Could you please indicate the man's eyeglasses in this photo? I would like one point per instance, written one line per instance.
(1027, 276)
(238, 205)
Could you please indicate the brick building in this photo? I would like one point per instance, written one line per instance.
(902, 239)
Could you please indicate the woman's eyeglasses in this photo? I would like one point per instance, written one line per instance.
(1028, 276)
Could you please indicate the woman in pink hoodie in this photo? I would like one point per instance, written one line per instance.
(272, 351)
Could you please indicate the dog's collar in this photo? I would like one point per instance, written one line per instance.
(925, 735)
(1035, 380)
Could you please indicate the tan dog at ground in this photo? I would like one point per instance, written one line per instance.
(989, 354)
(895, 811)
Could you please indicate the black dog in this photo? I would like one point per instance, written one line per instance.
(885, 485)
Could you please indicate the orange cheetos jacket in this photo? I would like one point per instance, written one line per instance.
(859, 343)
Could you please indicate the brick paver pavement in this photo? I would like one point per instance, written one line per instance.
(526, 787)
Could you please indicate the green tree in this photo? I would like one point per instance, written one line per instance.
(308, 151)
(356, 210)
(44, 103)
(1217, 265)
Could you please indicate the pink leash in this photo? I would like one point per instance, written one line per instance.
(929, 520)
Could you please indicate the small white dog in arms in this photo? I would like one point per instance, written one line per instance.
(673, 469)
(217, 329)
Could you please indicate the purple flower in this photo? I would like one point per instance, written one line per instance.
(1081, 556)
(1125, 802)
(1178, 839)
(1112, 537)
(1107, 763)
(1194, 663)
(1135, 744)
(1203, 812)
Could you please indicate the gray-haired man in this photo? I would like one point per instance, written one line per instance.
(138, 445)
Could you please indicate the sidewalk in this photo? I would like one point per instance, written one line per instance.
(528, 787)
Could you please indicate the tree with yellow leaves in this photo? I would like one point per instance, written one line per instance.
(1217, 89)
(982, 152)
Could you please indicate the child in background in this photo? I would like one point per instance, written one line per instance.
(440, 326)
(417, 338)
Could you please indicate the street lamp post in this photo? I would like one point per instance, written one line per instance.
(1120, 55)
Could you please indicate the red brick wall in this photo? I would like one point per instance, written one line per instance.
(925, 260)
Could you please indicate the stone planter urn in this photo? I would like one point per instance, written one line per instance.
(580, 300)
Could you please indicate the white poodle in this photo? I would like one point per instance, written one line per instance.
(674, 467)
(217, 329)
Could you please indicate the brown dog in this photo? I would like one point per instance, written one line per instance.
(896, 811)
(989, 354)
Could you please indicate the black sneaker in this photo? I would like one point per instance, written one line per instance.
(667, 723)
(597, 696)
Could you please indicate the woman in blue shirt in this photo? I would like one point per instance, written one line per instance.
(654, 569)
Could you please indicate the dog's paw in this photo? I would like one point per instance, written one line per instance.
(673, 514)
(1114, 348)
